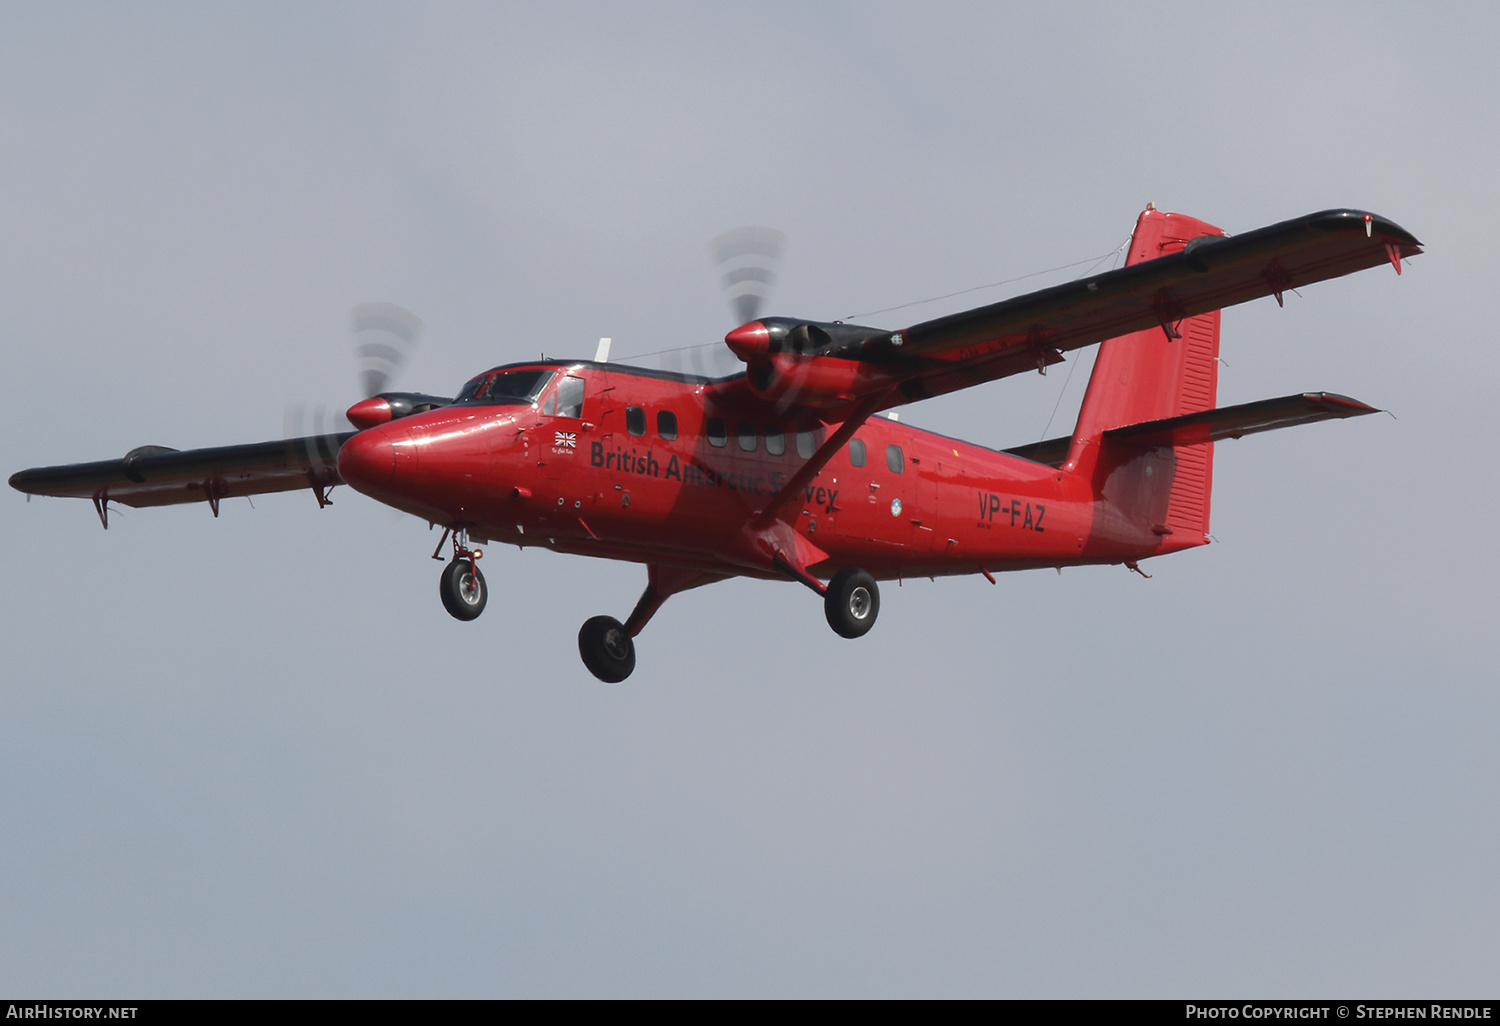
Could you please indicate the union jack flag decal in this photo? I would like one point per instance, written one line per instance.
(566, 438)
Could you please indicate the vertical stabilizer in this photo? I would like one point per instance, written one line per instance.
(1149, 375)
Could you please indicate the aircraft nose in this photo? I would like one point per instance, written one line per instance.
(367, 462)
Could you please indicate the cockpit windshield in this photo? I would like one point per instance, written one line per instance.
(516, 387)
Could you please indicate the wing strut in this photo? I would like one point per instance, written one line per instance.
(820, 458)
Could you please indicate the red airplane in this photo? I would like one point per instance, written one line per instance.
(782, 471)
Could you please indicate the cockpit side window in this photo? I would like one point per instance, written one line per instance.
(570, 397)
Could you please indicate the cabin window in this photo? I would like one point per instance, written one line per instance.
(570, 397)
(775, 441)
(666, 424)
(718, 434)
(856, 452)
(635, 421)
(894, 461)
(550, 407)
(807, 444)
(747, 436)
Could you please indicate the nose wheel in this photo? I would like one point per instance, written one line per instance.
(463, 590)
(462, 585)
(607, 649)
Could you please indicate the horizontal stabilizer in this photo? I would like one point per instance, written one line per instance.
(156, 476)
(1051, 452)
(1212, 425)
(1245, 419)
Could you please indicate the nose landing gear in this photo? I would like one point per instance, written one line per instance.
(463, 590)
(462, 586)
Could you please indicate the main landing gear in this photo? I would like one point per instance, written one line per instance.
(608, 646)
(462, 585)
(607, 650)
(851, 602)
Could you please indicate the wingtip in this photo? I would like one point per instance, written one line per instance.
(1348, 407)
(1367, 221)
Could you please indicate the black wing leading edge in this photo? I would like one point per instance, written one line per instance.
(1210, 273)
(157, 476)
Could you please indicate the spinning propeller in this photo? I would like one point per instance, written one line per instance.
(780, 356)
(747, 260)
(384, 335)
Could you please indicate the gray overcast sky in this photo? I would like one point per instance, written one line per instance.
(254, 757)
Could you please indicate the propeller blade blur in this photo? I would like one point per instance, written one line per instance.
(747, 259)
(384, 335)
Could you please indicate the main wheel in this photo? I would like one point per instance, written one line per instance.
(607, 650)
(852, 602)
(463, 590)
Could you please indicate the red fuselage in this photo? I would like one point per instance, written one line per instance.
(665, 469)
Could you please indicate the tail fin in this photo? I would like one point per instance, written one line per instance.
(1152, 375)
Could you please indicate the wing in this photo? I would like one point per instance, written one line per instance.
(156, 476)
(1209, 273)
(833, 367)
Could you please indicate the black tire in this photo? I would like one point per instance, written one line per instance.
(607, 650)
(852, 603)
(464, 591)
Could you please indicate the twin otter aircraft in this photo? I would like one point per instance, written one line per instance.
(784, 472)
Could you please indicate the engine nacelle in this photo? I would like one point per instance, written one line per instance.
(824, 381)
(814, 364)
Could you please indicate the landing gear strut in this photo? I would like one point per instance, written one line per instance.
(608, 646)
(462, 585)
